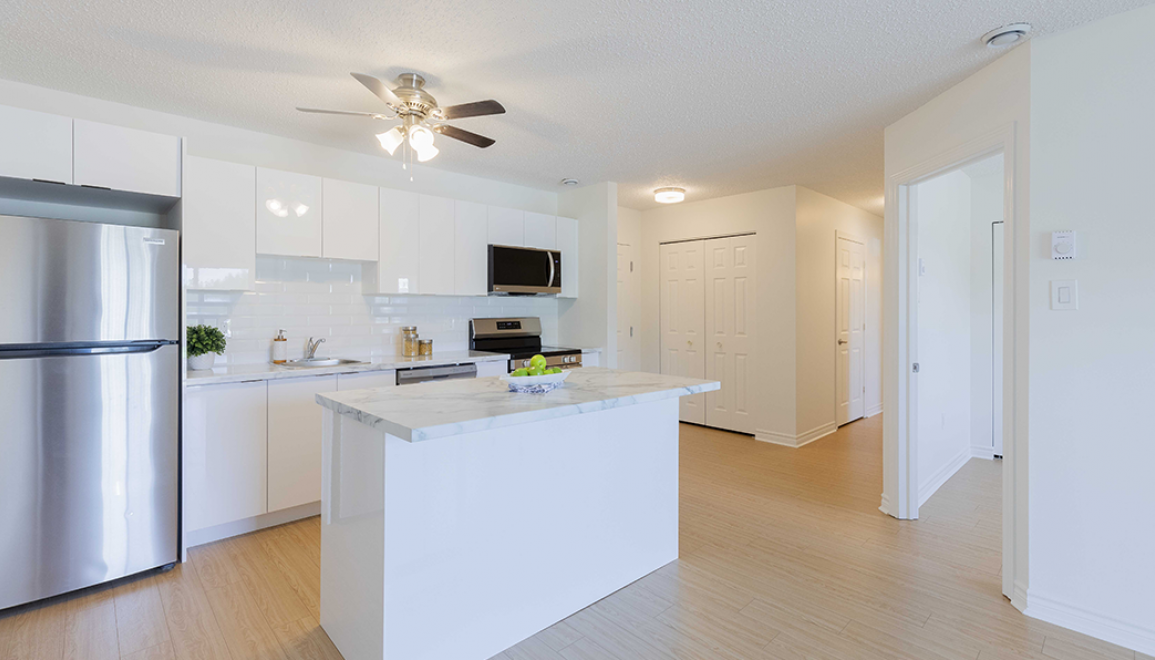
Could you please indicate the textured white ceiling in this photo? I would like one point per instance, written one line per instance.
(718, 96)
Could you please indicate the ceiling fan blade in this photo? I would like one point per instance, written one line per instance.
(475, 109)
(465, 136)
(341, 112)
(378, 88)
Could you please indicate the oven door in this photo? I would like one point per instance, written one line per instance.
(524, 271)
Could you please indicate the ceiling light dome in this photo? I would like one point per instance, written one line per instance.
(391, 139)
(420, 138)
(669, 195)
(1007, 35)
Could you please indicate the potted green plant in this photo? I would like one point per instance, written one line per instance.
(204, 344)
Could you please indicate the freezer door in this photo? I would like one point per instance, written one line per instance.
(88, 468)
(66, 281)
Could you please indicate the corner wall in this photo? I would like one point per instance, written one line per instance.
(818, 219)
(1091, 383)
(590, 321)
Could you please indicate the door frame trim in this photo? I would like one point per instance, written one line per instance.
(900, 350)
(839, 234)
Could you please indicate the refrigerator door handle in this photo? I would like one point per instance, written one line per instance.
(23, 352)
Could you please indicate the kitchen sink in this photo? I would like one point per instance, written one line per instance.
(320, 362)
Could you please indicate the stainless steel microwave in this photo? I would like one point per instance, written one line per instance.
(521, 271)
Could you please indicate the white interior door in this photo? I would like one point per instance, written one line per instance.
(997, 334)
(683, 320)
(851, 276)
(729, 268)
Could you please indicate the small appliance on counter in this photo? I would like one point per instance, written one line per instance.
(521, 338)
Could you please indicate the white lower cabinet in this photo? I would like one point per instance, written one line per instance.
(366, 380)
(294, 439)
(495, 368)
(591, 359)
(225, 468)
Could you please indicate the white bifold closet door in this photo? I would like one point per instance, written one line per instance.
(707, 323)
(683, 322)
(729, 327)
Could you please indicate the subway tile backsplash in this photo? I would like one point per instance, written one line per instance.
(322, 298)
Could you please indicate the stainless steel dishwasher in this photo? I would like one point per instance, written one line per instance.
(445, 372)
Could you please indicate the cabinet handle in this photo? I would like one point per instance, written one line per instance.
(719, 345)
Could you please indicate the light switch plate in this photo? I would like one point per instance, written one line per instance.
(1063, 245)
(1064, 294)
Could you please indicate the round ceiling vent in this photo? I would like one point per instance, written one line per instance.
(569, 182)
(1007, 35)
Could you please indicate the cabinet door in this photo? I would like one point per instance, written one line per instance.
(219, 224)
(506, 226)
(494, 368)
(591, 359)
(396, 270)
(471, 252)
(567, 243)
(35, 145)
(120, 158)
(288, 213)
(436, 270)
(295, 440)
(349, 220)
(540, 231)
(366, 380)
(225, 468)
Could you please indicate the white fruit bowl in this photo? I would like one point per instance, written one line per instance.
(535, 384)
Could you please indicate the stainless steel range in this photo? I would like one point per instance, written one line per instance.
(521, 338)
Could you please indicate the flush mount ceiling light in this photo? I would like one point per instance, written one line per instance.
(420, 115)
(669, 195)
(1007, 35)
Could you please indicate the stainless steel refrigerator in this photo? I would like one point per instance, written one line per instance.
(89, 404)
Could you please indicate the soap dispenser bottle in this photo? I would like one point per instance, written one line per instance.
(280, 348)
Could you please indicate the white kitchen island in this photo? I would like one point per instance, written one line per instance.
(459, 518)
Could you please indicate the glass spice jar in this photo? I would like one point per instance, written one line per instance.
(409, 341)
(425, 347)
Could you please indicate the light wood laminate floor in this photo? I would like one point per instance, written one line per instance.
(783, 555)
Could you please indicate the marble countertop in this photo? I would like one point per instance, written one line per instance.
(438, 409)
(269, 371)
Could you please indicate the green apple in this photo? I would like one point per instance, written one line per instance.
(537, 361)
(555, 370)
(536, 371)
(518, 373)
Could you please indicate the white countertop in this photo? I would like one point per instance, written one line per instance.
(269, 371)
(439, 409)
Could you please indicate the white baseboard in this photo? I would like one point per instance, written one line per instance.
(238, 527)
(1019, 597)
(874, 410)
(885, 506)
(930, 486)
(983, 451)
(787, 440)
(1106, 628)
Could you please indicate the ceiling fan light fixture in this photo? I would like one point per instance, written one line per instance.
(420, 138)
(426, 153)
(669, 195)
(391, 139)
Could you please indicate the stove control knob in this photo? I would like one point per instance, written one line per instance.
(525, 363)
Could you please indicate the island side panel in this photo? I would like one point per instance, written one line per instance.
(493, 536)
(353, 537)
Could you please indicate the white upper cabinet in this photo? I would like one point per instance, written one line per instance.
(471, 249)
(219, 236)
(506, 226)
(436, 270)
(567, 244)
(35, 145)
(288, 213)
(350, 221)
(106, 156)
(540, 231)
(400, 236)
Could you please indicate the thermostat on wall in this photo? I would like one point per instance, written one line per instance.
(1062, 245)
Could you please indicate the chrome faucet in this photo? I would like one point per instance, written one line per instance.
(311, 347)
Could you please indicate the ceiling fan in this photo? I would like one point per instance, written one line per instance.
(420, 115)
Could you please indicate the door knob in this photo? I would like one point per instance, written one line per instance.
(841, 342)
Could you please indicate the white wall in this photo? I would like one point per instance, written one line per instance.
(590, 321)
(1092, 496)
(770, 214)
(243, 146)
(322, 298)
(943, 213)
(986, 182)
(818, 219)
